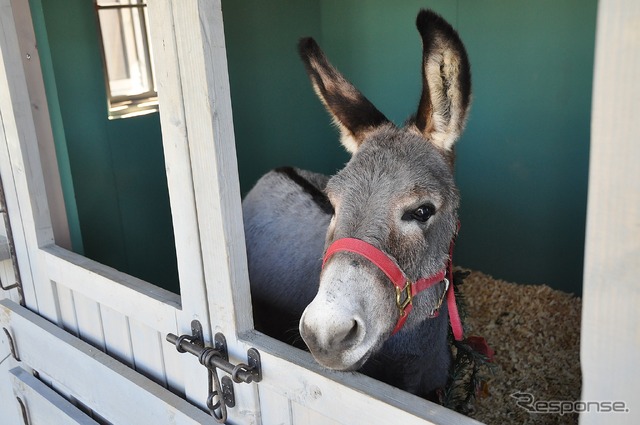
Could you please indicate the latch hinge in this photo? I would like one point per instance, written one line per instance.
(214, 358)
(10, 248)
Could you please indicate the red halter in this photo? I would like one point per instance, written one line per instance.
(405, 290)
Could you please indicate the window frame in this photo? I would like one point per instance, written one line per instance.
(124, 106)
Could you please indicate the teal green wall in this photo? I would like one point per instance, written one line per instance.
(113, 171)
(277, 119)
(522, 163)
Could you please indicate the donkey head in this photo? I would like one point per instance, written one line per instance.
(397, 193)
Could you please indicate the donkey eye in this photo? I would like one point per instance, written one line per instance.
(421, 214)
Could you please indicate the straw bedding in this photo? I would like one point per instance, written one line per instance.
(535, 332)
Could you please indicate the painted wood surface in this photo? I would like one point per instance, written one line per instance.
(20, 168)
(193, 89)
(75, 365)
(172, 64)
(43, 405)
(125, 294)
(114, 312)
(42, 122)
(346, 398)
(610, 323)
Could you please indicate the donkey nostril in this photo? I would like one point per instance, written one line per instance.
(335, 333)
(353, 333)
(348, 335)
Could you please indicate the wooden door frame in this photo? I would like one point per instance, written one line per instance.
(198, 137)
(610, 327)
(51, 275)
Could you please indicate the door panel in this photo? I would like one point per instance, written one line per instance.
(20, 165)
(43, 405)
(117, 335)
(125, 294)
(91, 376)
(117, 313)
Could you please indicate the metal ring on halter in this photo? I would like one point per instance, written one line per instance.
(435, 312)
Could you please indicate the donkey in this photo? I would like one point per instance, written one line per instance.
(395, 202)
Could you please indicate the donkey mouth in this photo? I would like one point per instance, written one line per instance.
(345, 362)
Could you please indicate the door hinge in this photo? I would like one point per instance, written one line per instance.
(12, 345)
(11, 248)
(214, 358)
(23, 409)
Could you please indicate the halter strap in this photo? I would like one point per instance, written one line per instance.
(405, 290)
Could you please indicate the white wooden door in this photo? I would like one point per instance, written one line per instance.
(110, 311)
(96, 336)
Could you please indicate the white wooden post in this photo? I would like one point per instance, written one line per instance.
(197, 126)
(21, 169)
(42, 121)
(610, 320)
(197, 129)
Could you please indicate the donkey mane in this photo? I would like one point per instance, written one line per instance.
(317, 194)
(396, 195)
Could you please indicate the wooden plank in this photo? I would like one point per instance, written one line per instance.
(21, 170)
(89, 320)
(67, 308)
(9, 410)
(147, 352)
(174, 368)
(70, 361)
(304, 415)
(178, 166)
(42, 122)
(177, 141)
(117, 337)
(204, 81)
(610, 326)
(44, 406)
(274, 408)
(125, 294)
(207, 108)
(346, 398)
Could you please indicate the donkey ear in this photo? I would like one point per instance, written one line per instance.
(353, 114)
(446, 79)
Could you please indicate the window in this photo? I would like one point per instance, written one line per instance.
(128, 64)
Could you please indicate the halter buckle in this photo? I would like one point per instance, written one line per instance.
(403, 298)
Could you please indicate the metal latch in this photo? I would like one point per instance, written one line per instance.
(214, 358)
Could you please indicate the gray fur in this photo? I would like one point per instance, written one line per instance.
(285, 233)
(391, 173)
